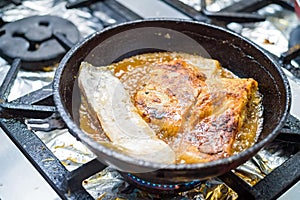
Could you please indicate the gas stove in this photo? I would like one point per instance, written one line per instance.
(41, 160)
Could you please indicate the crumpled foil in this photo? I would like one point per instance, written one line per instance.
(109, 184)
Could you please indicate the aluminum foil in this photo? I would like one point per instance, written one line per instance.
(210, 189)
(109, 184)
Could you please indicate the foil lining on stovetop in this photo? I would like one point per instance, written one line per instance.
(108, 184)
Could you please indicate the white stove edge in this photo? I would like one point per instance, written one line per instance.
(18, 177)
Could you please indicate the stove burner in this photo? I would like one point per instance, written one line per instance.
(160, 187)
(32, 40)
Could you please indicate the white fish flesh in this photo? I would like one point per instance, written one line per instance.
(110, 103)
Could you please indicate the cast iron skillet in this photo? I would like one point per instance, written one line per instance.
(234, 52)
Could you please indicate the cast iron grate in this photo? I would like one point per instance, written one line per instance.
(242, 11)
(7, 2)
(32, 39)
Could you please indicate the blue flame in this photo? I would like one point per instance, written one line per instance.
(160, 186)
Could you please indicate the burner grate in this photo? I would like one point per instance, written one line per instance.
(242, 11)
(32, 40)
(271, 186)
(221, 18)
(255, 5)
(6, 2)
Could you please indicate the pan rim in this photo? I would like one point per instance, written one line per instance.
(80, 135)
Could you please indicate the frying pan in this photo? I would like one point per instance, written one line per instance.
(234, 52)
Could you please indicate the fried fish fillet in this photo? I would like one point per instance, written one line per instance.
(168, 95)
(211, 137)
(110, 103)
